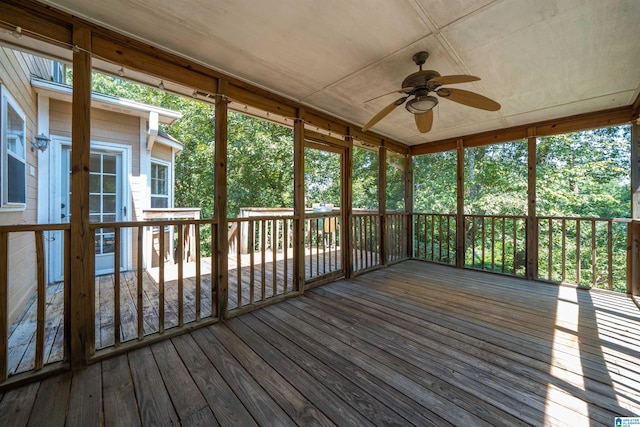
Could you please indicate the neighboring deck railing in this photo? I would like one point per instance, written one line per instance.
(322, 244)
(262, 266)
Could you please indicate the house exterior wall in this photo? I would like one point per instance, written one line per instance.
(114, 128)
(110, 127)
(14, 78)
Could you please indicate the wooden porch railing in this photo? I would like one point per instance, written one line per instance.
(40, 331)
(435, 237)
(396, 234)
(588, 252)
(496, 243)
(584, 251)
(365, 228)
(143, 304)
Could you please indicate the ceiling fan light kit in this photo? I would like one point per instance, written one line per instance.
(421, 104)
(417, 88)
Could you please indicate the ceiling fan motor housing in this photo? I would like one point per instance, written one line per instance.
(420, 80)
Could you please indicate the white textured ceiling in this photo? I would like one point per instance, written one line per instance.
(540, 59)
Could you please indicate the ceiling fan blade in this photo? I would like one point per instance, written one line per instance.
(450, 80)
(424, 121)
(386, 110)
(380, 96)
(469, 98)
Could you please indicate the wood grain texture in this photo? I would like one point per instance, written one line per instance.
(52, 401)
(413, 344)
(85, 402)
(154, 403)
(301, 411)
(222, 400)
(263, 407)
(82, 297)
(119, 400)
(183, 391)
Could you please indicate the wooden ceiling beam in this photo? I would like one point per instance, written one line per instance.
(598, 119)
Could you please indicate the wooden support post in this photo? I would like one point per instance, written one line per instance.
(298, 202)
(633, 251)
(408, 204)
(382, 202)
(347, 207)
(460, 238)
(220, 202)
(82, 285)
(532, 219)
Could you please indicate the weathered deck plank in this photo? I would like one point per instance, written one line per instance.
(119, 400)
(413, 344)
(52, 401)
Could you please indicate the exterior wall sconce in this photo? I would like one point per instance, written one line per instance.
(41, 142)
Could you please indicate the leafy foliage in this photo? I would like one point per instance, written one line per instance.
(581, 174)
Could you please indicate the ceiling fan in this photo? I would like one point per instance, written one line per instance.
(418, 87)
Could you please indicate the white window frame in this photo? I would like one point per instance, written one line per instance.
(5, 100)
(169, 195)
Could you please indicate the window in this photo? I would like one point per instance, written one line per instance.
(159, 184)
(13, 166)
(58, 72)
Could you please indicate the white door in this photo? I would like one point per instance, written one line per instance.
(107, 203)
(59, 209)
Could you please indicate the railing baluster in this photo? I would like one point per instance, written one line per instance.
(252, 249)
(239, 265)
(593, 254)
(4, 297)
(504, 234)
(610, 254)
(367, 240)
(139, 308)
(483, 242)
(578, 278)
(473, 240)
(180, 257)
(274, 254)
(116, 286)
(263, 259)
(433, 237)
(285, 247)
(515, 244)
(550, 261)
(440, 238)
(67, 292)
(317, 246)
(196, 227)
(564, 250)
(448, 238)
(493, 243)
(41, 296)
(161, 282)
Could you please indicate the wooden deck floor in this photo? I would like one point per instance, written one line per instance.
(413, 344)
